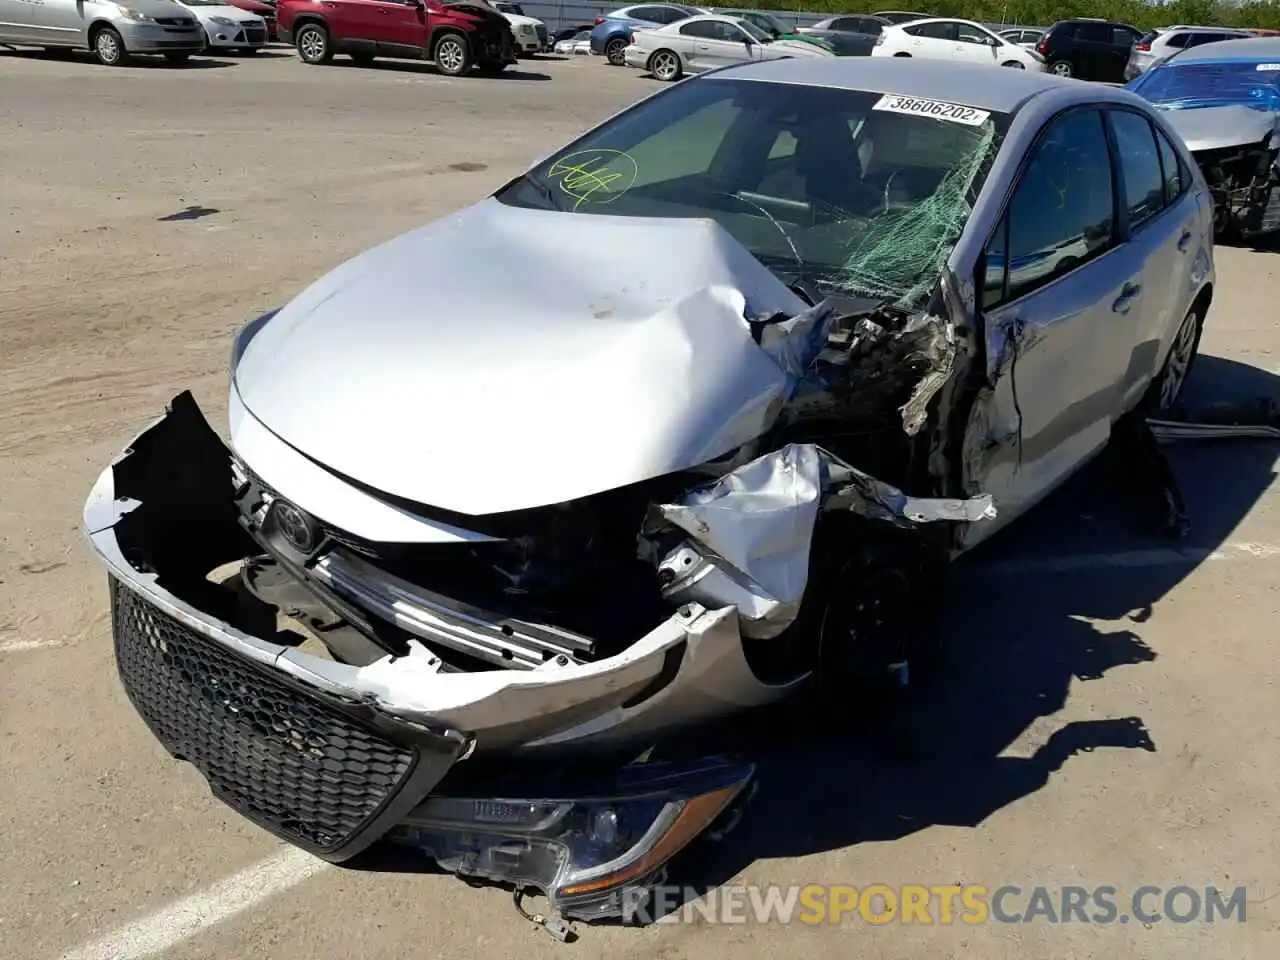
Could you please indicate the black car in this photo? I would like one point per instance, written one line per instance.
(1088, 49)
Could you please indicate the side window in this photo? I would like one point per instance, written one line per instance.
(941, 30)
(968, 34)
(1140, 166)
(1093, 32)
(1177, 40)
(997, 265)
(1061, 213)
(1176, 179)
(870, 27)
(844, 23)
(727, 31)
(700, 29)
(647, 14)
(1122, 37)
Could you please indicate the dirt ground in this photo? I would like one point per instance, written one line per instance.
(1110, 717)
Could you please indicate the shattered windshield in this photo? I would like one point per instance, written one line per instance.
(1196, 84)
(856, 192)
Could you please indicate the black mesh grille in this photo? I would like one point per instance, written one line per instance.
(289, 761)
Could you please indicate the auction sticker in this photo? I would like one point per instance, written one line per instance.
(1269, 66)
(937, 109)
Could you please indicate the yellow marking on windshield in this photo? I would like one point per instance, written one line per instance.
(598, 175)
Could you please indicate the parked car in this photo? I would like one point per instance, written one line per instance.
(227, 27)
(1224, 100)
(1023, 36)
(1163, 42)
(455, 36)
(1088, 49)
(844, 43)
(578, 44)
(113, 32)
(939, 39)
(771, 25)
(530, 33)
(706, 42)
(803, 400)
(900, 16)
(568, 33)
(612, 33)
(267, 11)
(864, 24)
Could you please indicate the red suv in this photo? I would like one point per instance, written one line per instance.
(455, 36)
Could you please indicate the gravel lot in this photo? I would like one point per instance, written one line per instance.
(1071, 623)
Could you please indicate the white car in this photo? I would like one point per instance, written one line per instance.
(227, 27)
(706, 42)
(944, 39)
(530, 32)
(578, 45)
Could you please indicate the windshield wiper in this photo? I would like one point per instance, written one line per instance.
(542, 189)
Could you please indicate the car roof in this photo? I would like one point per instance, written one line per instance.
(1249, 48)
(913, 23)
(972, 84)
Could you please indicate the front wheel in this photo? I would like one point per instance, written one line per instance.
(312, 42)
(902, 55)
(1013, 65)
(1061, 69)
(109, 48)
(665, 66)
(614, 51)
(451, 56)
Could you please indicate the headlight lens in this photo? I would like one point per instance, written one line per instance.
(526, 29)
(581, 853)
(134, 15)
(223, 21)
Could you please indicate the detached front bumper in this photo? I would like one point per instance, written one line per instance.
(333, 757)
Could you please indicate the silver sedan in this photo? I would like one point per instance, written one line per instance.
(707, 42)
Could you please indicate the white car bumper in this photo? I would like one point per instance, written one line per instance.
(635, 56)
(241, 36)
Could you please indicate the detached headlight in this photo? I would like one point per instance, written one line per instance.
(135, 15)
(223, 21)
(527, 29)
(583, 850)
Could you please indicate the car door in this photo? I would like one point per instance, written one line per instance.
(1057, 288)
(58, 22)
(1164, 232)
(935, 39)
(974, 45)
(16, 21)
(399, 27)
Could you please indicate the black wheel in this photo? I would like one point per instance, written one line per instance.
(665, 65)
(1013, 65)
(312, 43)
(1162, 395)
(363, 59)
(451, 55)
(109, 48)
(902, 55)
(613, 51)
(177, 57)
(1061, 68)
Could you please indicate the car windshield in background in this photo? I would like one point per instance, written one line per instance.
(1201, 83)
(853, 191)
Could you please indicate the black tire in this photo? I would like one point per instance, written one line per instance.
(1061, 68)
(312, 43)
(177, 57)
(902, 55)
(109, 48)
(613, 51)
(1013, 65)
(1162, 396)
(361, 59)
(451, 54)
(665, 65)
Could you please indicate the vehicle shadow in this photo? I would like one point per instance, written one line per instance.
(1011, 638)
(428, 69)
(146, 62)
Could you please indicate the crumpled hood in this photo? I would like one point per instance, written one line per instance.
(1211, 128)
(505, 358)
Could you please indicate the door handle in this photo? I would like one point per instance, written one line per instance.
(1184, 240)
(1127, 294)
(703, 46)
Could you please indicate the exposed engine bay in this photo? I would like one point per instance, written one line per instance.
(1243, 182)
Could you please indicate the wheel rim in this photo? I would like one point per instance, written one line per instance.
(862, 627)
(449, 55)
(108, 47)
(1014, 65)
(1062, 69)
(1179, 362)
(311, 43)
(614, 51)
(664, 66)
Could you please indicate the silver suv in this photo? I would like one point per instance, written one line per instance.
(1164, 42)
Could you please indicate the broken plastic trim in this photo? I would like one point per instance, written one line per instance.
(750, 532)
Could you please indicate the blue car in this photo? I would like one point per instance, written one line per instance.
(612, 32)
(1224, 100)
